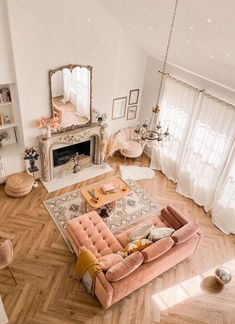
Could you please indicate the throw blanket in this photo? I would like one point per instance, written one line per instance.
(87, 267)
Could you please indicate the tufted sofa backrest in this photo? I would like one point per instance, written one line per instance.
(90, 231)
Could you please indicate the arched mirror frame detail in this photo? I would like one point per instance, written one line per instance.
(70, 67)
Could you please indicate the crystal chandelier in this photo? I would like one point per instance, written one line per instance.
(153, 131)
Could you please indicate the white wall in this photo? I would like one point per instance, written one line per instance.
(152, 81)
(6, 60)
(47, 34)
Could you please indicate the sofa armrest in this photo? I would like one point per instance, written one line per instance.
(185, 232)
(103, 290)
(174, 217)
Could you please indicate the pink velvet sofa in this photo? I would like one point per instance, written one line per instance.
(90, 231)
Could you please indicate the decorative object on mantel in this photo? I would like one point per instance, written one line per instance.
(153, 131)
(47, 125)
(3, 136)
(19, 184)
(32, 155)
(100, 117)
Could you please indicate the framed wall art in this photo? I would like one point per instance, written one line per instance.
(119, 108)
(131, 112)
(133, 97)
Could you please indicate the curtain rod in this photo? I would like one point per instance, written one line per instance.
(200, 90)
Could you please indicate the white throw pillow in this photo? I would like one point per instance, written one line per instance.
(140, 232)
(159, 232)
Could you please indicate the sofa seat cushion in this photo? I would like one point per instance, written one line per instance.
(185, 232)
(157, 249)
(109, 260)
(124, 268)
(132, 149)
(90, 231)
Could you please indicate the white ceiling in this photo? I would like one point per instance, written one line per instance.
(203, 39)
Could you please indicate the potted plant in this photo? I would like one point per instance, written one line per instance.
(101, 118)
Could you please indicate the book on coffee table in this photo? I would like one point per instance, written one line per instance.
(108, 187)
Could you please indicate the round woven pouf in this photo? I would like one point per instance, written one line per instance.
(19, 184)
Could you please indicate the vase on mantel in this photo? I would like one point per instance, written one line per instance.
(48, 131)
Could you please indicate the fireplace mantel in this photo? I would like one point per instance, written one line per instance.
(71, 137)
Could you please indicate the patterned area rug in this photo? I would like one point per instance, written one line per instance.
(133, 207)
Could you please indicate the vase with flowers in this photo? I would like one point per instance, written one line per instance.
(31, 154)
(47, 125)
(101, 118)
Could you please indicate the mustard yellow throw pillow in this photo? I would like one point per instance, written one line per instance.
(137, 245)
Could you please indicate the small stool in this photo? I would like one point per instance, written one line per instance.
(19, 184)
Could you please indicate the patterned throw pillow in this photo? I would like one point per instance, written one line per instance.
(159, 232)
(140, 232)
(137, 245)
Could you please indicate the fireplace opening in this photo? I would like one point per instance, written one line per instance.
(62, 155)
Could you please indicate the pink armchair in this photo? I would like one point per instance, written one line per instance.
(125, 142)
(6, 256)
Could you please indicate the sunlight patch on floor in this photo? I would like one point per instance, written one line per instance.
(183, 291)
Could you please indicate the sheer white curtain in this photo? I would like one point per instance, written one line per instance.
(81, 90)
(67, 85)
(207, 151)
(223, 210)
(178, 112)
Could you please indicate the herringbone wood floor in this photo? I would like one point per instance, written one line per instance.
(48, 293)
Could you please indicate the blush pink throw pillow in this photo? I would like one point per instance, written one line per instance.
(124, 268)
(109, 260)
(157, 249)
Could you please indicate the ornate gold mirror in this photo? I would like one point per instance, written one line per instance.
(70, 95)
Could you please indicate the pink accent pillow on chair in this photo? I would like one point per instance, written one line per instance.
(124, 268)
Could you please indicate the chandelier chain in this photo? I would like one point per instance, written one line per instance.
(167, 50)
(153, 131)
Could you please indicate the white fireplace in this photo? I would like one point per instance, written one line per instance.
(56, 150)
